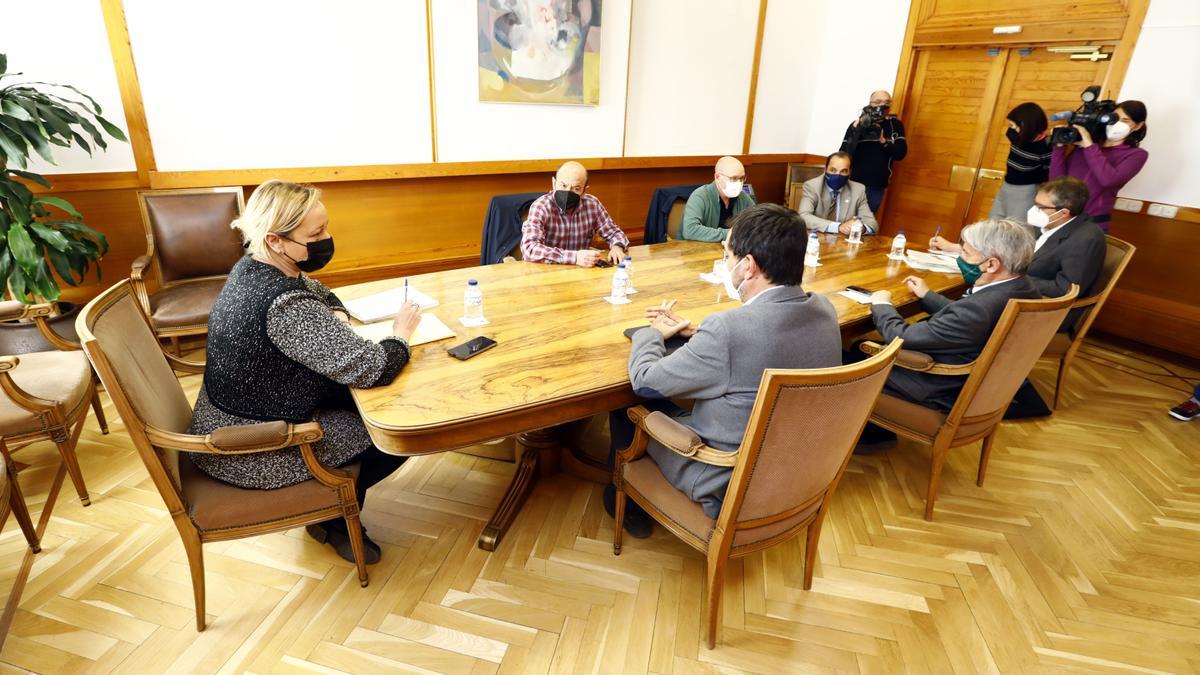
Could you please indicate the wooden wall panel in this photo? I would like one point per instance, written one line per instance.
(962, 22)
(388, 228)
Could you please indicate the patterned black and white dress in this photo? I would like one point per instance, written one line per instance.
(302, 325)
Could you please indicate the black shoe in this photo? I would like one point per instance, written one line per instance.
(638, 523)
(1027, 404)
(874, 440)
(1186, 411)
(340, 541)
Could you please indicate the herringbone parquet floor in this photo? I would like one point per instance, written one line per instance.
(1081, 553)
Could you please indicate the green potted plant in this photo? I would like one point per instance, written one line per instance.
(43, 238)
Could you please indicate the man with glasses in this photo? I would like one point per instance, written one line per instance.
(875, 140)
(1069, 247)
(705, 218)
(830, 203)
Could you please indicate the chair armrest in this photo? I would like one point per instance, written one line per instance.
(40, 313)
(137, 270)
(19, 396)
(11, 310)
(243, 439)
(183, 365)
(137, 278)
(683, 441)
(919, 361)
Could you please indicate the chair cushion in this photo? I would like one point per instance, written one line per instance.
(185, 305)
(645, 478)
(908, 415)
(214, 505)
(62, 377)
(1059, 344)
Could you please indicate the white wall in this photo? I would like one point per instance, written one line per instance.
(78, 55)
(690, 77)
(1165, 75)
(230, 84)
(471, 130)
(820, 62)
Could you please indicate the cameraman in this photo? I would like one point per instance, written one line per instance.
(874, 141)
(1108, 165)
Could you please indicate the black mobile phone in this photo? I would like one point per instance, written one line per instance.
(603, 262)
(858, 289)
(471, 347)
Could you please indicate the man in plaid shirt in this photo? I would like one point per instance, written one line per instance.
(560, 224)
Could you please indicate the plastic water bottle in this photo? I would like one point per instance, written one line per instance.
(856, 230)
(812, 254)
(629, 289)
(629, 264)
(898, 246)
(620, 282)
(473, 302)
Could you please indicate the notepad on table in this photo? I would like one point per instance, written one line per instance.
(933, 263)
(860, 298)
(382, 305)
(431, 329)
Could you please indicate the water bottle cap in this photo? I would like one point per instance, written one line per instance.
(901, 231)
(472, 282)
(621, 266)
(629, 257)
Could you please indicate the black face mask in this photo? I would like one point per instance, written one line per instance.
(320, 252)
(1013, 136)
(566, 200)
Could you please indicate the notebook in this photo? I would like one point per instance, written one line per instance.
(431, 329)
(383, 305)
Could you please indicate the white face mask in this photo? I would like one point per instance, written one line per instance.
(1117, 131)
(727, 279)
(1037, 217)
(732, 188)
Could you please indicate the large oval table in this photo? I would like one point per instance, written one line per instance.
(561, 354)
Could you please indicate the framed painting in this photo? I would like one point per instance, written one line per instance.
(539, 51)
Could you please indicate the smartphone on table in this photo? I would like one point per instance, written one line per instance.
(471, 348)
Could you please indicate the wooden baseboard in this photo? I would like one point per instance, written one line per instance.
(1152, 320)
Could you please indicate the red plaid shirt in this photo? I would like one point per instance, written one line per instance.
(551, 236)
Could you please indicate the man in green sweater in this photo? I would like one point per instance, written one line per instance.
(710, 207)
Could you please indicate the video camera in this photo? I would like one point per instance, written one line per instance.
(1093, 115)
(870, 120)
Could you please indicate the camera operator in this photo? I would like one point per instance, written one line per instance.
(874, 141)
(1105, 164)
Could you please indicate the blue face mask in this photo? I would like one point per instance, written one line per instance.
(836, 181)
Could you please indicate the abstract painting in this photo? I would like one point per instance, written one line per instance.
(539, 51)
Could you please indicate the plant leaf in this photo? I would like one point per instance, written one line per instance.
(51, 237)
(12, 152)
(23, 249)
(82, 143)
(95, 106)
(17, 204)
(112, 129)
(16, 282)
(60, 203)
(31, 176)
(6, 265)
(62, 266)
(3, 63)
(34, 135)
(15, 110)
(44, 281)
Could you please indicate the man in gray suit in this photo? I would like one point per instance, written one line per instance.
(778, 325)
(995, 256)
(830, 203)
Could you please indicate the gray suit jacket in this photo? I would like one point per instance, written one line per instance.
(954, 333)
(817, 206)
(1074, 254)
(721, 366)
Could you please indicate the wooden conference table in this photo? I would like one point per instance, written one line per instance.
(562, 355)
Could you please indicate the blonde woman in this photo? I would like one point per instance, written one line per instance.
(280, 348)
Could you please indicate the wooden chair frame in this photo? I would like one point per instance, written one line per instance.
(945, 438)
(11, 499)
(149, 261)
(719, 547)
(1095, 302)
(239, 440)
(57, 424)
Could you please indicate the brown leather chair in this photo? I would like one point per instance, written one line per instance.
(1064, 346)
(802, 430)
(675, 219)
(12, 499)
(190, 247)
(1024, 330)
(796, 175)
(138, 375)
(45, 395)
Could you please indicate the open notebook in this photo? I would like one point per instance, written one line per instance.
(385, 304)
(431, 329)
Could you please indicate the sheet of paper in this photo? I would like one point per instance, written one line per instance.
(431, 329)
(935, 263)
(383, 305)
(945, 254)
(860, 298)
(710, 278)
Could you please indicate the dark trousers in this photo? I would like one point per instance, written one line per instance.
(875, 198)
(374, 466)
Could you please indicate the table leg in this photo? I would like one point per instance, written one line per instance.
(539, 457)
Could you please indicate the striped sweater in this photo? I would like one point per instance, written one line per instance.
(1028, 163)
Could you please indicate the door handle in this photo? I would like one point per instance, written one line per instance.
(991, 174)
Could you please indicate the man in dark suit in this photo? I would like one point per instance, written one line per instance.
(1069, 248)
(995, 255)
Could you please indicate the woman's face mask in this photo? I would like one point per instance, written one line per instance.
(320, 252)
(727, 279)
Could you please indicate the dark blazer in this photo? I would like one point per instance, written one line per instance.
(502, 226)
(660, 208)
(721, 367)
(954, 333)
(1074, 254)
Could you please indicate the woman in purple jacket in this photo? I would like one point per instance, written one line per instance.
(1108, 165)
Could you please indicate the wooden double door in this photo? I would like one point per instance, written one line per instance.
(954, 114)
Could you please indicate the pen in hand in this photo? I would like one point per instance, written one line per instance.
(406, 291)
